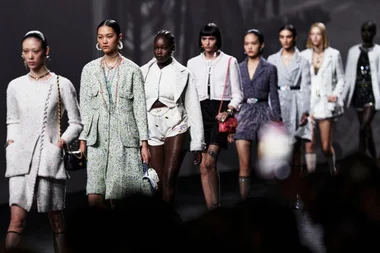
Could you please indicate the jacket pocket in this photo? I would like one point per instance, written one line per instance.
(93, 99)
(92, 131)
(51, 162)
(17, 160)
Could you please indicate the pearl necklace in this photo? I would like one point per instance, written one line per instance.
(39, 77)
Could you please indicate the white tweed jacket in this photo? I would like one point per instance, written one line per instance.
(25, 113)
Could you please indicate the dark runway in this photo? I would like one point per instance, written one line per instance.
(190, 205)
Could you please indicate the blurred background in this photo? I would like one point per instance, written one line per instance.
(70, 27)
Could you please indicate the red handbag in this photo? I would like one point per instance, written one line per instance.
(230, 124)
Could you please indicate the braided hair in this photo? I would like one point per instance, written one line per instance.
(168, 35)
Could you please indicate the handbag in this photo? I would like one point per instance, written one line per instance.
(73, 160)
(151, 176)
(230, 124)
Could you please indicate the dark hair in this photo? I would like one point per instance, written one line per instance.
(37, 35)
(370, 24)
(168, 35)
(211, 29)
(259, 35)
(290, 28)
(256, 32)
(110, 23)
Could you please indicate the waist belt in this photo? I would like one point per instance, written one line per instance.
(286, 87)
(254, 100)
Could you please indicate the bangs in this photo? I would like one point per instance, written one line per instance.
(209, 31)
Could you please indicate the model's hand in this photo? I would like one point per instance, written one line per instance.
(222, 116)
(230, 138)
(197, 159)
(82, 146)
(61, 143)
(145, 154)
(332, 99)
(304, 119)
(9, 142)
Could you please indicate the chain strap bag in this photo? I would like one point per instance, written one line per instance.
(73, 160)
(230, 124)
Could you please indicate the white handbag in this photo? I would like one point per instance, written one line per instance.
(151, 175)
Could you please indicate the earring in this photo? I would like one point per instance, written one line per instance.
(120, 46)
(97, 47)
(22, 56)
(26, 65)
(47, 57)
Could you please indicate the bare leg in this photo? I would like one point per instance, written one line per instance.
(326, 129)
(174, 157)
(57, 223)
(157, 162)
(16, 226)
(243, 148)
(210, 176)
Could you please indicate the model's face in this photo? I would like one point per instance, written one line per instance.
(368, 33)
(108, 39)
(209, 44)
(162, 50)
(287, 39)
(316, 36)
(252, 45)
(33, 53)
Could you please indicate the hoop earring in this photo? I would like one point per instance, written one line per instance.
(97, 47)
(120, 46)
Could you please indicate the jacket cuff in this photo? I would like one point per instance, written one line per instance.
(234, 105)
(197, 146)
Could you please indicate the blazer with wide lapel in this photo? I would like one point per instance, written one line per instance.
(185, 93)
(128, 108)
(351, 69)
(289, 75)
(296, 74)
(332, 75)
(182, 75)
(263, 84)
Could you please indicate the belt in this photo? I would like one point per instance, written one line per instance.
(286, 87)
(254, 100)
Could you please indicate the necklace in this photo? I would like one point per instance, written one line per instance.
(39, 77)
(114, 65)
(112, 99)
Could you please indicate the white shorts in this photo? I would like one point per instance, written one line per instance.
(166, 122)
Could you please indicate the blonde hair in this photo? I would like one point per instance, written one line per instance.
(325, 41)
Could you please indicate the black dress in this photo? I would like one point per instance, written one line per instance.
(363, 94)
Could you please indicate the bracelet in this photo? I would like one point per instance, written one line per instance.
(230, 112)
